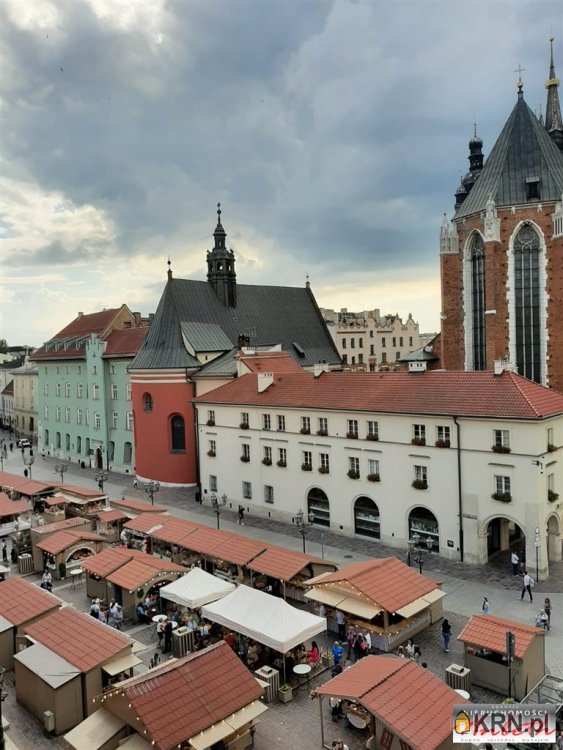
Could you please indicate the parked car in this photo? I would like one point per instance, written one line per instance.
(23, 443)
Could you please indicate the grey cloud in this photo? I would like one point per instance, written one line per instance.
(56, 254)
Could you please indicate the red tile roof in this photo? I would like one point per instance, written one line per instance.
(80, 491)
(187, 696)
(80, 639)
(223, 545)
(107, 516)
(22, 485)
(476, 394)
(61, 540)
(22, 601)
(387, 582)
(489, 632)
(138, 572)
(54, 500)
(81, 327)
(174, 530)
(12, 507)
(271, 362)
(412, 702)
(106, 561)
(144, 522)
(125, 342)
(139, 506)
(280, 563)
(51, 528)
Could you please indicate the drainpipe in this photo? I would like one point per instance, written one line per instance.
(459, 495)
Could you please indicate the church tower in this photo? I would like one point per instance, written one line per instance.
(501, 254)
(221, 266)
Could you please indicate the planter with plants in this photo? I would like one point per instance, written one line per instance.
(352, 435)
(420, 484)
(552, 496)
(502, 497)
(282, 464)
(244, 426)
(211, 454)
(353, 474)
(210, 423)
(323, 469)
(373, 478)
(501, 448)
(442, 443)
(306, 467)
(372, 436)
(322, 433)
(305, 431)
(418, 441)
(245, 459)
(285, 693)
(267, 461)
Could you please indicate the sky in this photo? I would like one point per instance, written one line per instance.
(333, 132)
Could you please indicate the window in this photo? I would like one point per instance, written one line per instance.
(87, 417)
(177, 433)
(147, 402)
(323, 426)
(344, 343)
(212, 451)
(373, 430)
(244, 422)
(266, 422)
(307, 461)
(345, 359)
(352, 428)
(282, 461)
(97, 421)
(501, 441)
(353, 360)
(371, 350)
(360, 343)
(115, 420)
(267, 460)
(366, 518)
(210, 418)
(281, 423)
(45, 389)
(245, 455)
(443, 436)
(111, 450)
(114, 391)
(95, 391)
(419, 434)
(394, 341)
(354, 464)
(421, 474)
(371, 333)
(352, 343)
(373, 467)
(128, 391)
(383, 358)
(397, 356)
(213, 483)
(360, 359)
(401, 341)
(268, 494)
(58, 390)
(94, 370)
(127, 453)
(410, 340)
(383, 342)
(79, 390)
(550, 439)
(46, 411)
(247, 490)
(58, 440)
(58, 413)
(67, 442)
(527, 303)
(502, 485)
(67, 390)
(305, 425)
(79, 445)
(79, 416)
(532, 189)
(324, 467)
(477, 261)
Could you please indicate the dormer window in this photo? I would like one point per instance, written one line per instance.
(532, 188)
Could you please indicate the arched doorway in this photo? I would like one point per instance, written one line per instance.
(366, 518)
(318, 507)
(99, 459)
(553, 539)
(504, 536)
(425, 524)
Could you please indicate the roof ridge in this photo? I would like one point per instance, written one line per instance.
(515, 379)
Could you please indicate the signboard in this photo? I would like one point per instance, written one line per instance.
(478, 723)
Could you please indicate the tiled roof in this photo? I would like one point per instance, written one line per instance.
(280, 563)
(81, 327)
(475, 394)
(185, 697)
(78, 489)
(22, 485)
(106, 561)
(53, 500)
(61, 540)
(411, 701)
(112, 515)
(174, 530)
(12, 507)
(139, 506)
(271, 362)
(80, 639)
(125, 342)
(137, 572)
(51, 528)
(387, 582)
(489, 632)
(223, 545)
(269, 315)
(144, 522)
(22, 601)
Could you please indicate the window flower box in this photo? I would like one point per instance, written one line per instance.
(267, 461)
(352, 435)
(418, 441)
(244, 426)
(210, 423)
(281, 464)
(322, 433)
(551, 447)
(305, 431)
(420, 484)
(211, 454)
(442, 443)
(501, 448)
(353, 474)
(373, 478)
(306, 467)
(502, 497)
(372, 436)
(552, 496)
(323, 470)
(245, 459)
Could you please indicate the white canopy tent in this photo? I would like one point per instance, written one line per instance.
(196, 588)
(265, 618)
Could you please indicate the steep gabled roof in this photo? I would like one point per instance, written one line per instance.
(125, 342)
(522, 151)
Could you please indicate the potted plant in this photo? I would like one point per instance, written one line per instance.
(501, 448)
(352, 435)
(305, 430)
(372, 436)
(502, 497)
(211, 453)
(420, 484)
(551, 447)
(210, 423)
(244, 426)
(285, 693)
(442, 443)
(282, 464)
(353, 474)
(245, 459)
(323, 469)
(322, 433)
(418, 441)
(306, 467)
(267, 461)
(373, 478)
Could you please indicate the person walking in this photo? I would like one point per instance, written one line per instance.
(241, 515)
(547, 610)
(4, 552)
(527, 584)
(168, 636)
(341, 625)
(446, 635)
(515, 560)
(486, 607)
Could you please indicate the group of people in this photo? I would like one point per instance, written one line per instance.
(411, 651)
(147, 608)
(47, 580)
(112, 615)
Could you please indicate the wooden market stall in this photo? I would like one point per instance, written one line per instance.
(484, 640)
(52, 508)
(43, 531)
(183, 703)
(398, 704)
(386, 597)
(21, 604)
(17, 487)
(168, 537)
(15, 515)
(139, 529)
(109, 524)
(286, 572)
(223, 553)
(65, 551)
(83, 502)
(133, 507)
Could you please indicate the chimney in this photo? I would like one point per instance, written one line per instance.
(319, 368)
(265, 380)
(80, 314)
(502, 365)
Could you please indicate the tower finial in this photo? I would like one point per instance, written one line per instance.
(520, 82)
(474, 130)
(551, 63)
(218, 213)
(553, 119)
(169, 271)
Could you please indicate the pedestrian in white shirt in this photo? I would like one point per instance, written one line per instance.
(527, 584)
(515, 560)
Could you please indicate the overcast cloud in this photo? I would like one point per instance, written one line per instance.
(334, 133)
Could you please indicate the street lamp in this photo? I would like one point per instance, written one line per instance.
(218, 503)
(537, 545)
(418, 551)
(101, 477)
(61, 469)
(150, 489)
(303, 525)
(28, 459)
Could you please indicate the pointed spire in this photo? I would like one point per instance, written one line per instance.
(553, 121)
(520, 82)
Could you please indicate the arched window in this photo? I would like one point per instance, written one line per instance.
(477, 260)
(177, 433)
(527, 303)
(366, 518)
(46, 441)
(147, 402)
(318, 507)
(423, 525)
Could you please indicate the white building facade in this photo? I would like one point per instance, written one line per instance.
(393, 455)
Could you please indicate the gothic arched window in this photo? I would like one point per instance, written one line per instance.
(177, 433)
(477, 260)
(527, 302)
(147, 402)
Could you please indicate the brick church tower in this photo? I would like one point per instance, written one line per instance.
(501, 256)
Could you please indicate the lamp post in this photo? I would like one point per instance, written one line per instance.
(101, 477)
(303, 525)
(61, 469)
(150, 489)
(418, 551)
(218, 503)
(537, 545)
(28, 459)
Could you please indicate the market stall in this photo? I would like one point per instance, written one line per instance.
(17, 487)
(385, 597)
(284, 571)
(195, 589)
(52, 508)
(43, 531)
(15, 515)
(138, 530)
(83, 502)
(222, 552)
(133, 507)
(167, 540)
(65, 551)
(484, 638)
(109, 524)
